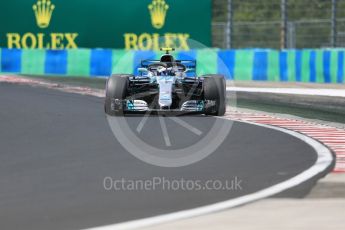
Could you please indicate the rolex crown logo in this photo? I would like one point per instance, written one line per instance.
(43, 12)
(158, 10)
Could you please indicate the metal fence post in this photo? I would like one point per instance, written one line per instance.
(334, 24)
(291, 35)
(283, 26)
(229, 26)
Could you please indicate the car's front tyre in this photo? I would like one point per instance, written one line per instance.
(215, 90)
(116, 88)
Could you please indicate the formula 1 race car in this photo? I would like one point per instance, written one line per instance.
(166, 86)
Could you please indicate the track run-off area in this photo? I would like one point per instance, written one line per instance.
(57, 148)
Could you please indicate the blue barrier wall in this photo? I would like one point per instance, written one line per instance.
(319, 65)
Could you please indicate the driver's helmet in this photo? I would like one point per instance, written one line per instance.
(167, 58)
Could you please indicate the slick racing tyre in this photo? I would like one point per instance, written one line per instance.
(116, 88)
(215, 90)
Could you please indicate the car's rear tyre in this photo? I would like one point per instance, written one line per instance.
(215, 90)
(116, 88)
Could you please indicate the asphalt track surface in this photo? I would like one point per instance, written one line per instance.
(57, 148)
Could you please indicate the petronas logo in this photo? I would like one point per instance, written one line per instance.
(158, 10)
(43, 12)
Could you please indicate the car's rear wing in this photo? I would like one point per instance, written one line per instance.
(190, 64)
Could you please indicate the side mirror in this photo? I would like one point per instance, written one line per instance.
(142, 70)
(189, 70)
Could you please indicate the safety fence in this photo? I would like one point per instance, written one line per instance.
(315, 65)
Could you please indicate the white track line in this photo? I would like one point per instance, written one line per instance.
(324, 160)
(295, 91)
